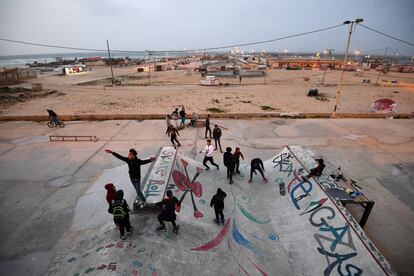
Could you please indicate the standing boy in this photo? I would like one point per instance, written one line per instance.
(237, 154)
(182, 116)
(228, 161)
(134, 165)
(218, 203)
(120, 210)
(217, 135)
(208, 155)
(208, 126)
(256, 164)
(168, 214)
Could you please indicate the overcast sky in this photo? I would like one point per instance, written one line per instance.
(178, 24)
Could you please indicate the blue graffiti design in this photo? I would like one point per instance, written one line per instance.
(241, 240)
(305, 189)
(335, 231)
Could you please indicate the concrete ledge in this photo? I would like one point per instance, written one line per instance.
(244, 116)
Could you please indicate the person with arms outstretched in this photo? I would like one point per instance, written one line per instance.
(134, 165)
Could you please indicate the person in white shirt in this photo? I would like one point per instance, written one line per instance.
(208, 151)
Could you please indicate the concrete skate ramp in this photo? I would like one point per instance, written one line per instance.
(301, 233)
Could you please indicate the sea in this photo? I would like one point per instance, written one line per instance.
(23, 60)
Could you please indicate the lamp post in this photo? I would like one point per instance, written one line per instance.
(351, 30)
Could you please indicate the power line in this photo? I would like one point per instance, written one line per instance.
(384, 34)
(171, 51)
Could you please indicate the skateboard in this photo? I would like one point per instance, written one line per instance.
(282, 189)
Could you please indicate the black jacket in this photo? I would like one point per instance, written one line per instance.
(169, 207)
(257, 163)
(228, 160)
(134, 165)
(207, 122)
(216, 133)
(218, 200)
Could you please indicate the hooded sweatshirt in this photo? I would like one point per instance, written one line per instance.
(218, 200)
(110, 192)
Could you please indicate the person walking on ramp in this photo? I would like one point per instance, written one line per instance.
(256, 164)
(134, 165)
(173, 132)
(228, 161)
(168, 214)
(217, 135)
(218, 203)
(208, 155)
(120, 210)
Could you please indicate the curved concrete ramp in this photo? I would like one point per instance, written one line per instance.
(301, 233)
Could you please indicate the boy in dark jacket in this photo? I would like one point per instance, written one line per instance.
(120, 210)
(168, 214)
(134, 165)
(228, 161)
(218, 203)
(217, 135)
(256, 164)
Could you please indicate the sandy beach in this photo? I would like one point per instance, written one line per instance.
(280, 91)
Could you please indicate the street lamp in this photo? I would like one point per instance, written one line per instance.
(351, 30)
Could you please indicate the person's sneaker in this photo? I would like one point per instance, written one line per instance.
(250, 181)
(129, 233)
(207, 168)
(231, 182)
(265, 179)
(176, 228)
(218, 167)
(216, 221)
(123, 237)
(142, 205)
(238, 172)
(222, 221)
(161, 228)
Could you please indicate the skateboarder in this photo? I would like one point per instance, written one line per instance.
(173, 132)
(208, 151)
(134, 165)
(168, 214)
(218, 203)
(256, 164)
(217, 135)
(120, 210)
(237, 154)
(208, 126)
(228, 161)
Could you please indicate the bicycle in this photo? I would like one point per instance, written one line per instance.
(53, 124)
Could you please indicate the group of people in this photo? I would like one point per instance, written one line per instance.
(119, 208)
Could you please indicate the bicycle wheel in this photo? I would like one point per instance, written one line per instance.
(51, 124)
(61, 124)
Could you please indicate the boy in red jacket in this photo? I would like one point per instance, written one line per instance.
(110, 193)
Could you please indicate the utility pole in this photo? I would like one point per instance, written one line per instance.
(351, 29)
(110, 62)
(379, 73)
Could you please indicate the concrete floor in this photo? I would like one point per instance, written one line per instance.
(41, 182)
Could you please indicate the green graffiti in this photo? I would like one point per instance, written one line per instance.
(250, 216)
